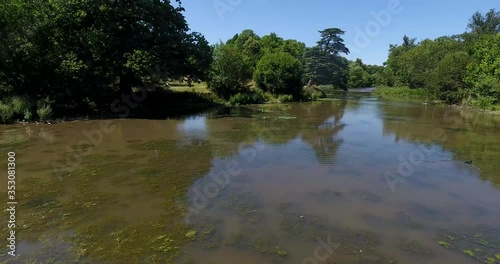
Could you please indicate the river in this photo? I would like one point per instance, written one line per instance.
(352, 179)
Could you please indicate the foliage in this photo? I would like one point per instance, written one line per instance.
(485, 24)
(279, 73)
(251, 97)
(285, 98)
(249, 45)
(6, 112)
(451, 88)
(87, 53)
(15, 107)
(227, 73)
(458, 69)
(484, 72)
(405, 93)
(361, 75)
(44, 110)
(323, 64)
(327, 89)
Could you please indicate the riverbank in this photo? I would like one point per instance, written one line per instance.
(423, 96)
(403, 93)
(176, 99)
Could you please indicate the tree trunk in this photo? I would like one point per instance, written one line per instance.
(310, 83)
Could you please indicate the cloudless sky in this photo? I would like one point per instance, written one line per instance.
(301, 20)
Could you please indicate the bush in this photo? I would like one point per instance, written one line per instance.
(6, 112)
(485, 103)
(402, 93)
(44, 111)
(252, 97)
(285, 98)
(27, 115)
(316, 96)
(20, 105)
(328, 89)
(279, 73)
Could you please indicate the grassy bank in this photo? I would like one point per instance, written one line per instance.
(403, 93)
(422, 95)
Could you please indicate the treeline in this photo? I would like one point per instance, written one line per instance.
(251, 69)
(459, 69)
(76, 57)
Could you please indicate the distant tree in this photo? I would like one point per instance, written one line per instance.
(359, 77)
(250, 47)
(332, 42)
(485, 24)
(483, 74)
(272, 43)
(227, 73)
(323, 63)
(446, 81)
(200, 57)
(279, 73)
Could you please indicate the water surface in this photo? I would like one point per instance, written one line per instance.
(346, 180)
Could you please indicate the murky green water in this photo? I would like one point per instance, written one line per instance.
(350, 180)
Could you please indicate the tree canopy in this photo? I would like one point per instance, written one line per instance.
(456, 69)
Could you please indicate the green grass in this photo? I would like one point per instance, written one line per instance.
(403, 93)
(183, 87)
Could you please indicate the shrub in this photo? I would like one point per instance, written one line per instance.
(486, 103)
(315, 96)
(328, 89)
(279, 73)
(27, 115)
(252, 97)
(315, 92)
(402, 93)
(44, 111)
(285, 98)
(20, 105)
(6, 112)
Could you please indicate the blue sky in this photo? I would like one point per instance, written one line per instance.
(368, 37)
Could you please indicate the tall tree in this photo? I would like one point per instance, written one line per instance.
(332, 42)
(323, 63)
(485, 24)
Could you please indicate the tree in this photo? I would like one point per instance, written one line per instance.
(483, 74)
(249, 45)
(485, 24)
(332, 42)
(323, 64)
(279, 73)
(359, 77)
(411, 65)
(227, 73)
(447, 79)
(271, 43)
(200, 57)
(84, 53)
